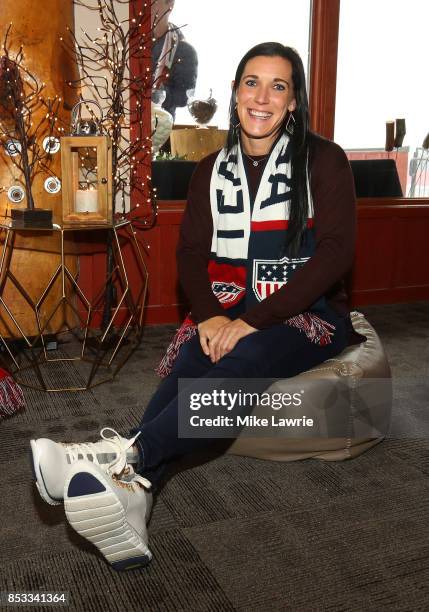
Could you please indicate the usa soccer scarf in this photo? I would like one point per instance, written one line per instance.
(247, 263)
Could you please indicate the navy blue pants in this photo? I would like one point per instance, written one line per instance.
(280, 351)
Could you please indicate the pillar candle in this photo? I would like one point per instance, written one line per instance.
(86, 200)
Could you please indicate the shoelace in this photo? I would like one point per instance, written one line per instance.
(142, 480)
(119, 464)
(79, 449)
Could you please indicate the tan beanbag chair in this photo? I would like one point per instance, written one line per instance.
(364, 372)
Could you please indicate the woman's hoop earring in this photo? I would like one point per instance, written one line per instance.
(237, 125)
(290, 127)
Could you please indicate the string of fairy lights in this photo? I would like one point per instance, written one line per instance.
(110, 66)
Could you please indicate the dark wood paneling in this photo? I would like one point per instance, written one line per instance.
(391, 253)
(412, 266)
(390, 264)
(375, 236)
(164, 298)
(323, 68)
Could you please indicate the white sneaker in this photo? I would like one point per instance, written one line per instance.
(51, 460)
(110, 513)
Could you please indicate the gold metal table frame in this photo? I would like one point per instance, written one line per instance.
(100, 349)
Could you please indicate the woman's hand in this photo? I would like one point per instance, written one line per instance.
(208, 329)
(227, 337)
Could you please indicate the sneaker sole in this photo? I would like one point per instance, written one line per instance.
(95, 513)
(38, 476)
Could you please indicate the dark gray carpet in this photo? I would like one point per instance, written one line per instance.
(236, 533)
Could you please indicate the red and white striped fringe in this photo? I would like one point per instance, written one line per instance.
(186, 331)
(11, 396)
(316, 329)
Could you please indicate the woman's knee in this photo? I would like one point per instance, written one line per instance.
(246, 359)
(190, 360)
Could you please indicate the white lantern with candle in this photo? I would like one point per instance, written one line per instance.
(86, 163)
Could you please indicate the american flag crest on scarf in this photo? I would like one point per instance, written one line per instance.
(227, 293)
(270, 275)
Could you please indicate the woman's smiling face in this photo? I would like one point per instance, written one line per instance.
(264, 96)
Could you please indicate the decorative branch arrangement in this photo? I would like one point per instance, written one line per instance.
(107, 64)
(114, 73)
(21, 100)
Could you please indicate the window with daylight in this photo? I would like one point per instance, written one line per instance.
(382, 77)
(222, 35)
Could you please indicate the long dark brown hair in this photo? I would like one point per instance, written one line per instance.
(299, 137)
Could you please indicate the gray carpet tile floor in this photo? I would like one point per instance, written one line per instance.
(237, 533)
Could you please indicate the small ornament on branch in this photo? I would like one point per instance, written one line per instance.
(21, 99)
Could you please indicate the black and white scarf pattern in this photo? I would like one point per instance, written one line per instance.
(230, 199)
(246, 253)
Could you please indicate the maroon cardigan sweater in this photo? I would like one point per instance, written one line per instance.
(334, 202)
